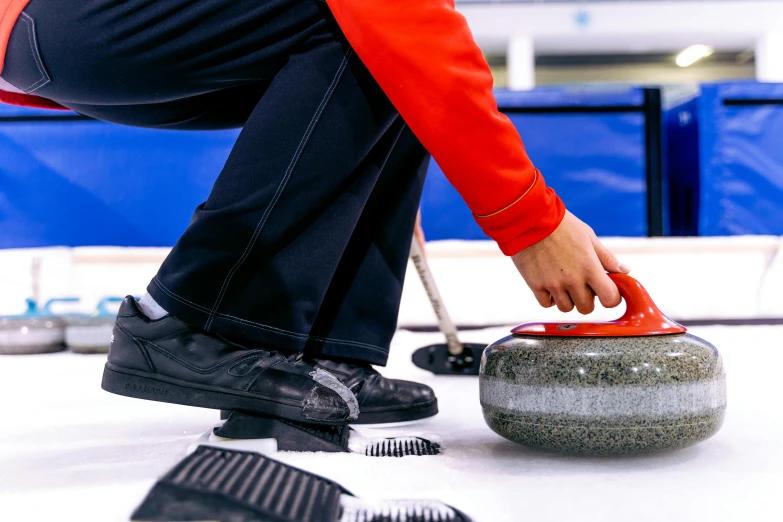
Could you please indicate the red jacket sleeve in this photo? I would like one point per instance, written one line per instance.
(423, 56)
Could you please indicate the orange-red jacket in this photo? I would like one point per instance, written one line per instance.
(423, 56)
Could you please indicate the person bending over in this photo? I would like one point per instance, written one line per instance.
(285, 288)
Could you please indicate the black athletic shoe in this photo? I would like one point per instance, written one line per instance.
(383, 400)
(165, 360)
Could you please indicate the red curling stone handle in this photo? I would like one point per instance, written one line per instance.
(641, 318)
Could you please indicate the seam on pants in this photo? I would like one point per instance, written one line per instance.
(261, 326)
(45, 78)
(297, 335)
(283, 183)
(313, 337)
(178, 298)
(391, 150)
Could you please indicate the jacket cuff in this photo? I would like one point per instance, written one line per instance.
(526, 221)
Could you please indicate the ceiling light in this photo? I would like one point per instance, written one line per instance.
(693, 54)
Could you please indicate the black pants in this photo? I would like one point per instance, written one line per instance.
(303, 242)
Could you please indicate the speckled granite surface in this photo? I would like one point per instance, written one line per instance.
(603, 396)
(604, 361)
(601, 436)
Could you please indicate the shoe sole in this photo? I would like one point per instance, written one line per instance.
(159, 388)
(416, 412)
(387, 418)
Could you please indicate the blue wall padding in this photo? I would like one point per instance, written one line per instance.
(580, 96)
(595, 161)
(682, 132)
(738, 175)
(79, 183)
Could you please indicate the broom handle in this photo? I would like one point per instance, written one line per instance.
(447, 326)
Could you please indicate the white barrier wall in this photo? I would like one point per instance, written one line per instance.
(87, 273)
(689, 278)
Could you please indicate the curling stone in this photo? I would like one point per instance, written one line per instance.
(92, 333)
(639, 384)
(33, 332)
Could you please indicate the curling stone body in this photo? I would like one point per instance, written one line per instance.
(603, 396)
(647, 387)
(90, 334)
(33, 332)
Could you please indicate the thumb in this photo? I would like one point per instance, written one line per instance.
(607, 259)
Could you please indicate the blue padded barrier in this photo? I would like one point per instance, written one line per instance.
(71, 181)
(594, 148)
(682, 144)
(726, 163)
(68, 180)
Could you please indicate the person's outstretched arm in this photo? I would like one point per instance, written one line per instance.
(423, 56)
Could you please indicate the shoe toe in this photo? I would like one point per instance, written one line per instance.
(395, 393)
(414, 392)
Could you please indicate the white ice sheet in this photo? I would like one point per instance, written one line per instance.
(69, 451)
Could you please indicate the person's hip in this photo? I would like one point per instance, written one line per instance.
(126, 52)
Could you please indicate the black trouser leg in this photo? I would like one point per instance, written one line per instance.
(364, 294)
(262, 254)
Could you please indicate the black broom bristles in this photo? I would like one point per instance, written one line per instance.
(402, 447)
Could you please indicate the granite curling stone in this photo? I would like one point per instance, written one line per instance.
(639, 384)
(33, 332)
(90, 334)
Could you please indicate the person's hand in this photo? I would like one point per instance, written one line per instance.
(569, 268)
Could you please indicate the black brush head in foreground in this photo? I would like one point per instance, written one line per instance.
(239, 486)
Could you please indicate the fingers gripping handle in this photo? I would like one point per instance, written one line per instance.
(642, 317)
